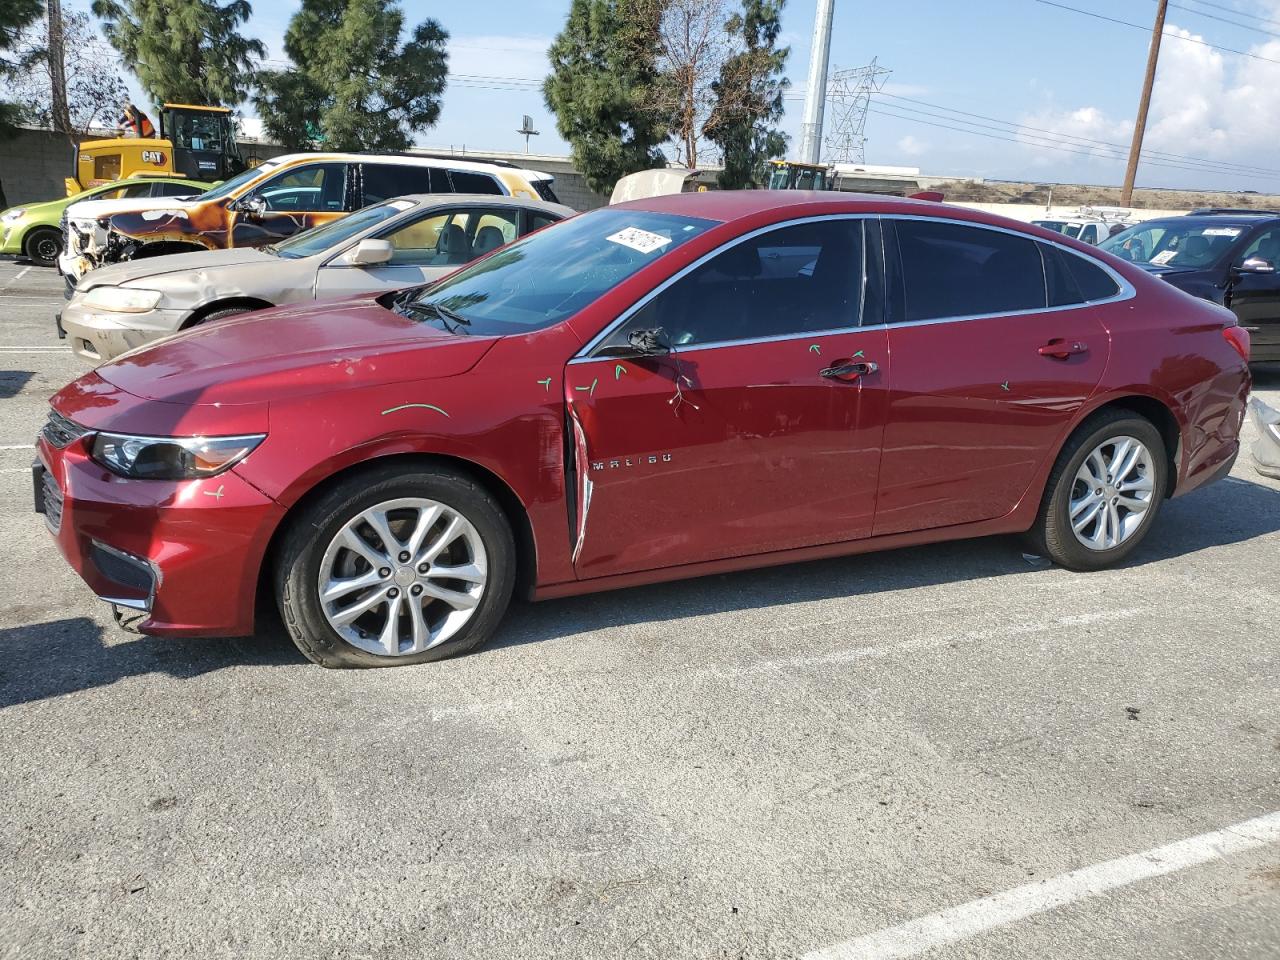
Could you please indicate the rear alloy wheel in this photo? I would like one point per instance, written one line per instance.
(1104, 492)
(396, 568)
(42, 246)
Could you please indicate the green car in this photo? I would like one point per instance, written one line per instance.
(34, 230)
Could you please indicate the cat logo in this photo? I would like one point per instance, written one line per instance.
(623, 462)
(153, 156)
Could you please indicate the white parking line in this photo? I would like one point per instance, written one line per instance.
(21, 273)
(970, 919)
(45, 348)
(17, 446)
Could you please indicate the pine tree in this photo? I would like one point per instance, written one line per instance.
(749, 96)
(603, 71)
(353, 84)
(184, 51)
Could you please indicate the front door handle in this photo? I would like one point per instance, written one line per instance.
(1060, 349)
(847, 371)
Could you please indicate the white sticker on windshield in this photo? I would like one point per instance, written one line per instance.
(1223, 232)
(641, 240)
(1163, 257)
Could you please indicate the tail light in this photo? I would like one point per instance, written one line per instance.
(1238, 337)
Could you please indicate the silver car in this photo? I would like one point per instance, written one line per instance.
(397, 243)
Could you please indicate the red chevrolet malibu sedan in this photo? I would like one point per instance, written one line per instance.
(668, 388)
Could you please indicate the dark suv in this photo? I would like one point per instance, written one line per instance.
(1231, 257)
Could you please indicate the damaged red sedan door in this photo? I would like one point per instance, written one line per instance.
(756, 422)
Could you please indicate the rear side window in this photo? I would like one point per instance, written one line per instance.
(382, 181)
(1072, 279)
(954, 270)
(545, 192)
(466, 182)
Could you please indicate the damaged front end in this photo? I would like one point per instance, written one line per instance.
(92, 244)
(1266, 449)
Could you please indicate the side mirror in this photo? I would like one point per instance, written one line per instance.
(1256, 265)
(649, 343)
(252, 207)
(370, 253)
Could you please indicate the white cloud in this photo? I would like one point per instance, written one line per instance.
(910, 146)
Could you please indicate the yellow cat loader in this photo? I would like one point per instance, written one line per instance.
(195, 142)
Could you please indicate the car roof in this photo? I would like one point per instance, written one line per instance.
(408, 160)
(486, 200)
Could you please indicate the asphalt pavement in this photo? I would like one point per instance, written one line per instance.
(946, 751)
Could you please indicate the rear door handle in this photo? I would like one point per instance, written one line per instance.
(1060, 349)
(850, 370)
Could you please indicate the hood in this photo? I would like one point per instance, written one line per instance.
(131, 271)
(97, 209)
(293, 351)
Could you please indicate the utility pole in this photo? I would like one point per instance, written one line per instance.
(57, 69)
(815, 96)
(1144, 105)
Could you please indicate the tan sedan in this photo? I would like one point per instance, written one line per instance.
(397, 243)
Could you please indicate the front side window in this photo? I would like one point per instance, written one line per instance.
(956, 270)
(804, 278)
(317, 187)
(382, 181)
(337, 232)
(164, 188)
(452, 237)
(1182, 243)
(548, 276)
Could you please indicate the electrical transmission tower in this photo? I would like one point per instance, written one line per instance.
(850, 95)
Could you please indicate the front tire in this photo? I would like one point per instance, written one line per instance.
(42, 246)
(1104, 493)
(395, 566)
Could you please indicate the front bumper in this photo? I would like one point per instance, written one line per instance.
(98, 336)
(11, 239)
(186, 553)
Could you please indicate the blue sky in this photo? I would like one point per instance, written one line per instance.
(1011, 64)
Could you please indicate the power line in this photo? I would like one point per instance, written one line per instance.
(1238, 13)
(1234, 23)
(1062, 148)
(1175, 36)
(1240, 167)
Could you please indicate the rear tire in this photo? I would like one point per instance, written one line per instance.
(336, 542)
(42, 246)
(1104, 492)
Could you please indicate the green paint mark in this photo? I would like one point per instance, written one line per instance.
(546, 384)
(591, 389)
(814, 348)
(410, 406)
(1005, 386)
(858, 354)
(618, 371)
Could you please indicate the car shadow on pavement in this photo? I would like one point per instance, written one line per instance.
(42, 660)
(12, 382)
(1231, 511)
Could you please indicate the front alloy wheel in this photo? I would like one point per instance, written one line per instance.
(403, 577)
(395, 564)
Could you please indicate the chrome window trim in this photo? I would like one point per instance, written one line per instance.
(1126, 290)
(584, 354)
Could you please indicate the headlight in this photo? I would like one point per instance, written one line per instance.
(171, 458)
(17, 213)
(122, 299)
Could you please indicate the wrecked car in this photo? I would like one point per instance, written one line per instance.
(398, 243)
(273, 201)
(680, 386)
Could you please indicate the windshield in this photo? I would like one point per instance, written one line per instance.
(1175, 243)
(228, 187)
(1060, 226)
(335, 232)
(550, 275)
